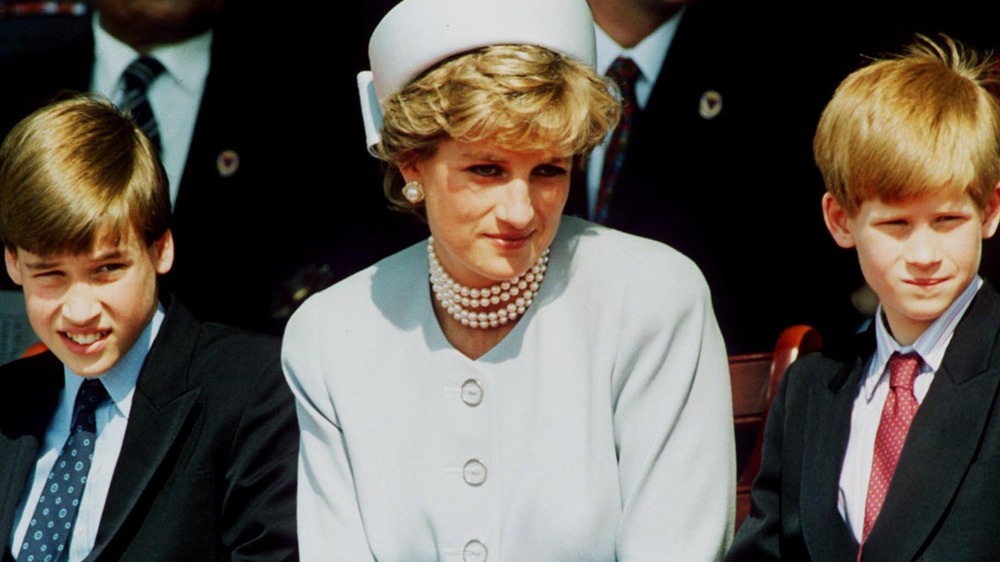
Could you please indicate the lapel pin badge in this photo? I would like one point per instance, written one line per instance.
(227, 163)
(710, 105)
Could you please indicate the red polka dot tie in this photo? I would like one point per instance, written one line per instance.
(897, 415)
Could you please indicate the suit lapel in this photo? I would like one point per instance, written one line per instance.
(160, 409)
(951, 419)
(828, 429)
(18, 455)
(29, 417)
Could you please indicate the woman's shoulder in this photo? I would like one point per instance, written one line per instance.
(605, 252)
(355, 297)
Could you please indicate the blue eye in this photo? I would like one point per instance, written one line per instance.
(894, 222)
(111, 270)
(485, 170)
(550, 171)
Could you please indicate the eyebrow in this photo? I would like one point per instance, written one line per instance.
(488, 156)
(41, 264)
(108, 255)
(492, 157)
(45, 263)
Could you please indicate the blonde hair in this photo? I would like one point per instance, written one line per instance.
(78, 172)
(911, 126)
(522, 97)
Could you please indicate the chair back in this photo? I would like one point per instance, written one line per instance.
(755, 379)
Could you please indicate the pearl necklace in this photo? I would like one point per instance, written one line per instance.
(457, 299)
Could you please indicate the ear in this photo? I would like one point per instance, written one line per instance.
(13, 266)
(837, 222)
(410, 170)
(991, 214)
(162, 252)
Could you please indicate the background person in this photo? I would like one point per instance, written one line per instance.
(252, 187)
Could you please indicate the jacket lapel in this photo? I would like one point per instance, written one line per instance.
(826, 535)
(162, 403)
(18, 455)
(951, 418)
(28, 417)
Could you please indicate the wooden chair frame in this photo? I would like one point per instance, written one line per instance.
(755, 379)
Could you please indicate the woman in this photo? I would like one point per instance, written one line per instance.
(556, 391)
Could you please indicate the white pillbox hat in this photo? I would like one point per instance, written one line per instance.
(417, 34)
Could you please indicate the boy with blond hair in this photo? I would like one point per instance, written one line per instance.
(142, 434)
(892, 453)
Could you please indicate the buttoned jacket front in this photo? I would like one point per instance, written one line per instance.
(599, 429)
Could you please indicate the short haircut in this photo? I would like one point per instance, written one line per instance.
(914, 125)
(76, 173)
(522, 97)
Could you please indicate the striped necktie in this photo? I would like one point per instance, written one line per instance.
(137, 78)
(625, 74)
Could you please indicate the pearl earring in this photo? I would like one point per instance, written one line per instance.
(413, 192)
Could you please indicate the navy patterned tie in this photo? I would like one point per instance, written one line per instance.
(625, 73)
(137, 78)
(52, 522)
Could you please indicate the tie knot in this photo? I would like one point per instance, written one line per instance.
(903, 370)
(625, 73)
(91, 395)
(141, 73)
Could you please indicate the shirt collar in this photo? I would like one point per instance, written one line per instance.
(187, 63)
(121, 378)
(648, 55)
(930, 346)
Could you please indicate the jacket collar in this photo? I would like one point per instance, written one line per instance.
(23, 421)
(163, 401)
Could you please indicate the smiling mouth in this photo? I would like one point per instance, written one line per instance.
(88, 338)
(927, 282)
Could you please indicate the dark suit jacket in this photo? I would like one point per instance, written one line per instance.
(739, 193)
(944, 500)
(207, 468)
(287, 209)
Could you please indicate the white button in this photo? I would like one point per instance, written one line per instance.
(474, 472)
(475, 551)
(472, 392)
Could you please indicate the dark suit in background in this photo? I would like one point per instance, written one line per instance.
(944, 499)
(738, 192)
(296, 215)
(208, 464)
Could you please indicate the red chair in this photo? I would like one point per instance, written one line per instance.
(34, 349)
(755, 379)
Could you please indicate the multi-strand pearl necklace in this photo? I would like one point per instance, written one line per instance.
(510, 298)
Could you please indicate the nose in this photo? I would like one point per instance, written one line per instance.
(515, 207)
(80, 304)
(923, 248)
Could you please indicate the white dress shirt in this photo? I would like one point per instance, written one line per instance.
(867, 410)
(648, 55)
(112, 419)
(175, 96)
